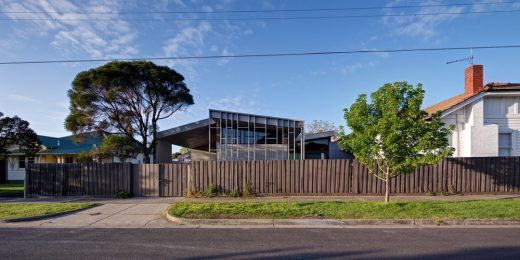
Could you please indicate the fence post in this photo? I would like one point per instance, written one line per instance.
(62, 179)
(130, 178)
(25, 193)
(190, 179)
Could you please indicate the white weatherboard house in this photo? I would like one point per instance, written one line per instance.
(486, 117)
(56, 150)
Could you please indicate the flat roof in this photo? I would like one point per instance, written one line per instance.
(314, 136)
(188, 135)
(248, 114)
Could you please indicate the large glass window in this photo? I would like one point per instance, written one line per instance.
(251, 137)
(505, 144)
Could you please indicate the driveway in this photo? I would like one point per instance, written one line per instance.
(133, 213)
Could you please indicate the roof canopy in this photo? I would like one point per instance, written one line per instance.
(196, 135)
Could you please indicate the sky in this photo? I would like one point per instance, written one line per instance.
(304, 88)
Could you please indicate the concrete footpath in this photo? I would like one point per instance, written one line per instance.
(149, 213)
(135, 213)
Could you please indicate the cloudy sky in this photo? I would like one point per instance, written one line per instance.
(311, 87)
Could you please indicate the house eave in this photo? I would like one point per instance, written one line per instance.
(477, 97)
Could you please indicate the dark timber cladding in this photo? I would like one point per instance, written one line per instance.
(237, 136)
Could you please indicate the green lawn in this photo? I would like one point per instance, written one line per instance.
(483, 209)
(23, 210)
(11, 189)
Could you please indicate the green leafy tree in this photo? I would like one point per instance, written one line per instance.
(86, 157)
(15, 131)
(391, 135)
(181, 151)
(128, 98)
(119, 146)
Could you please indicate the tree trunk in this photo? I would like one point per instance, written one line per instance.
(146, 156)
(387, 188)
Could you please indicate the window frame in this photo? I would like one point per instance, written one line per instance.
(510, 147)
(22, 162)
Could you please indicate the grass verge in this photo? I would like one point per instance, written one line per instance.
(25, 210)
(476, 209)
(11, 189)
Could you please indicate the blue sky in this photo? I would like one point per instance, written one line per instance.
(313, 87)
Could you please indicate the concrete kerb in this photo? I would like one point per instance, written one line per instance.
(336, 223)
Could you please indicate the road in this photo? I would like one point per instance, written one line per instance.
(186, 243)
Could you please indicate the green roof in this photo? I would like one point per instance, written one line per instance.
(67, 145)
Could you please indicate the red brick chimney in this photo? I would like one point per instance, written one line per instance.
(474, 75)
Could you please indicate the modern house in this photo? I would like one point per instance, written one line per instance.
(486, 117)
(324, 145)
(234, 136)
(53, 150)
(226, 135)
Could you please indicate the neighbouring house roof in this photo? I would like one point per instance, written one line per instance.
(453, 101)
(66, 144)
(320, 135)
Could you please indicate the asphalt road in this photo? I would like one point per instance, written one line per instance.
(184, 243)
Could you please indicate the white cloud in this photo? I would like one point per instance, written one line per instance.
(488, 6)
(224, 61)
(7, 47)
(357, 66)
(188, 41)
(63, 104)
(236, 103)
(21, 98)
(99, 39)
(424, 26)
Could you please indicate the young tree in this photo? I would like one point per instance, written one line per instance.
(392, 136)
(128, 98)
(317, 126)
(15, 131)
(119, 146)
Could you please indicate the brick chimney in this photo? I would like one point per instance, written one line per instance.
(474, 76)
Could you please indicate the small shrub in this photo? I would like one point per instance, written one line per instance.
(194, 194)
(445, 193)
(430, 193)
(249, 192)
(122, 195)
(235, 194)
(451, 189)
(211, 191)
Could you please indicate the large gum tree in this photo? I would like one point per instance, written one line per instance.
(127, 98)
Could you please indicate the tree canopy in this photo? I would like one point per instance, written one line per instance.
(317, 126)
(15, 131)
(119, 146)
(391, 135)
(127, 98)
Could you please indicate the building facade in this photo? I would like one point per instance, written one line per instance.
(324, 145)
(233, 136)
(237, 136)
(486, 118)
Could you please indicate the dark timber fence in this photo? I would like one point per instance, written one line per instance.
(293, 177)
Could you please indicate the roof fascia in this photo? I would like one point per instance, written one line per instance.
(463, 104)
(479, 96)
